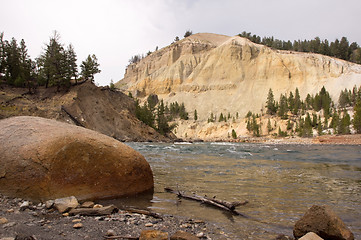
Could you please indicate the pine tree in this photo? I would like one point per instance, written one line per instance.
(72, 67)
(234, 134)
(221, 118)
(357, 117)
(195, 115)
(90, 67)
(269, 126)
(271, 105)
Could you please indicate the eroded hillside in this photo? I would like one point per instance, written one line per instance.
(97, 108)
(215, 73)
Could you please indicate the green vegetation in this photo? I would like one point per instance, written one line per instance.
(234, 134)
(56, 66)
(157, 115)
(304, 116)
(339, 48)
(188, 33)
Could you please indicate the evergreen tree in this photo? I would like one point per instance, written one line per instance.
(72, 67)
(234, 134)
(90, 67)
(53, 64)
(319, 127)
(269, 126)
(221, 118)
(283, 107)
(188, 33)
(271, 105)
(335, 121)
(357, 117)
(195, 115)
(297, 103)
(344, 124)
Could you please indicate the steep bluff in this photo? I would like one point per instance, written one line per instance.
(215, 73)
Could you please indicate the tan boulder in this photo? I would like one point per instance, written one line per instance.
(324, 222)
(44, 159)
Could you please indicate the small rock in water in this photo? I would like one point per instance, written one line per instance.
(77, 225)
(110, 233)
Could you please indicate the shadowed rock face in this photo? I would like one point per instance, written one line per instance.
(44, 159)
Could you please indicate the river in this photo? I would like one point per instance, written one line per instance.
(280, 182)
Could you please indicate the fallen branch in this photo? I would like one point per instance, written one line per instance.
(144, 212)
(227, 206)
(94, 211)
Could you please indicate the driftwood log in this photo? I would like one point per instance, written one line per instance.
(224, 205)
(94, 211)
(144, 212)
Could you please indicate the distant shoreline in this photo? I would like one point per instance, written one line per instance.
(354, 139)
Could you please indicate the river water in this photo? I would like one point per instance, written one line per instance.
(280, 182)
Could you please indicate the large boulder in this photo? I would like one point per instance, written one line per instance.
(44, 159)
(323, 221)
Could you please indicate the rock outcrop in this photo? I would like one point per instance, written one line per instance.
(45, 159)
(324, 222)
(216, 73)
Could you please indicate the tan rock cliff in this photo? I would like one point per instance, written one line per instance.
(217, 73)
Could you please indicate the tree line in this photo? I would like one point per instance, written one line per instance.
(56, 65)
(342, 49)
(305, 115)
(158, 115)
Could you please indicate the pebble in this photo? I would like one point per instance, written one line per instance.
(77, 225)
(24, 205)
(76, 220)
(200, 235)
(149, 225)
(87, 204)
(65, 214)
(3, 220)
(110, 233)
(98, 206)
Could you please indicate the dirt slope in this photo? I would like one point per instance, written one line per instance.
(98, 108)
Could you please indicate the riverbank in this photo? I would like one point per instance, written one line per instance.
(37, 222)
(354, 139)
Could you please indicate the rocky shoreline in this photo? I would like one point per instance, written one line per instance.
(21, 219)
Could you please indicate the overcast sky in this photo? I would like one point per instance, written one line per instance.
(115, 30)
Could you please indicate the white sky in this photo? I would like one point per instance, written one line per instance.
(115, 30)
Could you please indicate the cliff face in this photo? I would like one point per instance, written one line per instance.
(214, 73)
